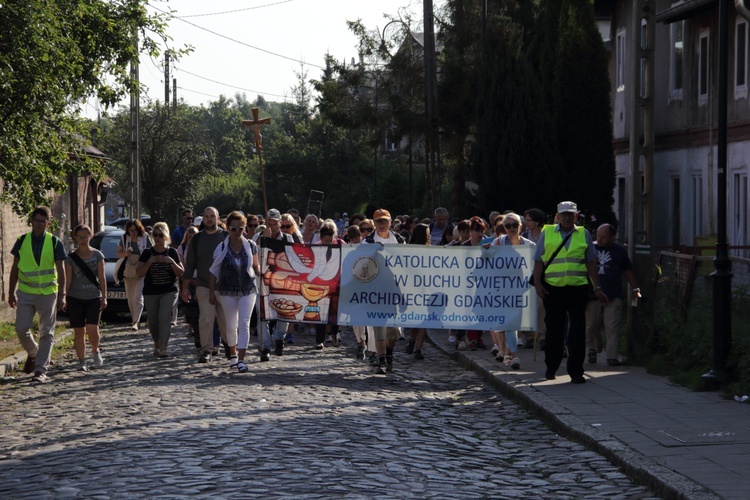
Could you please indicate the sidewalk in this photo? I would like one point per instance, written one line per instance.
(683, 444)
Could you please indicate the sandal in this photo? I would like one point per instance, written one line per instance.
(241, 366)
(233, 362)
(507, 360)
(515, 364)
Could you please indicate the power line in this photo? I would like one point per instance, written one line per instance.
(239, 10)
(238, 41)
(230, 85)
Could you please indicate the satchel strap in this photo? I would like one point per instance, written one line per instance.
(85, 269)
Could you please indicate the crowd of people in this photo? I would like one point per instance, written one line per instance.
(210, 265)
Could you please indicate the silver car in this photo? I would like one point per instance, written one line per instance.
(107, 242)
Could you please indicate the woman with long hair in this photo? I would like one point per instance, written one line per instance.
(288, 225)
(310, 229)
(86, 289)
(160, 268)
(133, 243)
(232, 284)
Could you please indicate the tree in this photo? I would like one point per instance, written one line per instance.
(52, 56)
(581, 93)
(177, 154)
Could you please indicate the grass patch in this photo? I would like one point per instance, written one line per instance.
(9, 344)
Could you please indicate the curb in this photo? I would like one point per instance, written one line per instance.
(13, 361)
(640, 469)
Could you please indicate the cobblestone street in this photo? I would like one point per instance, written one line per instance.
(313, 424)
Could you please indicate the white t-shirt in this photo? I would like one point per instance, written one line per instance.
(377, 239)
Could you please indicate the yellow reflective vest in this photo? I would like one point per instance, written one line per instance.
(33, 278)
(569, 266)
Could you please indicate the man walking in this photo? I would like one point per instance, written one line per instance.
(441, 231)
(563, 257)
(385, 337)
(614, 263)
(200, 257)
(179, 232)
(39, 273)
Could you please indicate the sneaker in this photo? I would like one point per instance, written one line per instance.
(381, 369)
(360, 353)
(418, 354)
(264, 355)
(515, 364)
(289, 338)
(373, 360)
(461, 346)
(82, 366)
(452, 339)
(205, 357)
(98, 360)
(39, 377)
(319, 346)
(495, 350)
(215, 351)
(29, 365)
(279, 351)
(410, 347)
(134, 327)
(233, 361)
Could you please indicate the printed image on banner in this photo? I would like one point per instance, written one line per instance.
(300, 283)
(436, 287)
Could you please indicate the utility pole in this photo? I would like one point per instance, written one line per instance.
(135, 135)
(641, 204)
(430, 77)
(166, 79)
(174, 93)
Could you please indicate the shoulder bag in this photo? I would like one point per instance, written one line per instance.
(552, 257)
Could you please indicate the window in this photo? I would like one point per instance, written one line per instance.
(741, 212)
(620, 69)
(677, 31)
(697, 207)
(703, 68)
(674, 227)
(644, 45)
(740, 59)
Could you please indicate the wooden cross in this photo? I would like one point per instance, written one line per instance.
(255, 124)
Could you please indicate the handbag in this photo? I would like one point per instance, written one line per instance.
(119, 270)
(552, 257)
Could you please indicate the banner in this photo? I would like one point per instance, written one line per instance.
(399, 285)
(438, 287)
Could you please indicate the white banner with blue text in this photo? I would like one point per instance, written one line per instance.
(462, 287)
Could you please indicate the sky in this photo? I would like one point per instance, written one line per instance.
(255, 46)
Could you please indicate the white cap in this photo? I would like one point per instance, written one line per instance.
(567, 206)
(197, 221)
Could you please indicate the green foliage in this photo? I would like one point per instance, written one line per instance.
(581, 96)
(683, 343)
(177, 153)
(53, 55)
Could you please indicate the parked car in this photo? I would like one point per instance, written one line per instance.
(107, 242)
(120, 223)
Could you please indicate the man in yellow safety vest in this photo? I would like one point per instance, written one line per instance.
(563, 258)
(38, 272)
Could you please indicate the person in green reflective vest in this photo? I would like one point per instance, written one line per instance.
(564, 257)
(39, 274)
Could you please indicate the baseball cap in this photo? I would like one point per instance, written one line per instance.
(274, 214)
(197, 221)
(567, 206)
(381, 213)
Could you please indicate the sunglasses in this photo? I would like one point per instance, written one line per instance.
(365, 229)
(511, 225)
(285, 226)
(252, 225)
(158, 235)
(236, 228)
